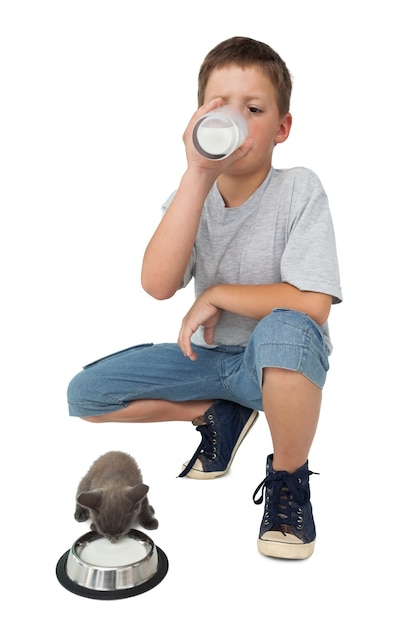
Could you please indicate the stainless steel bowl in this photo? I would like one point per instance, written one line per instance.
(112, 581)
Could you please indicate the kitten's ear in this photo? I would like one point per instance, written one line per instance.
(91, 499)
(137, 493)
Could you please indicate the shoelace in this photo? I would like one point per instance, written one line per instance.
(206, 447)
(281, 489)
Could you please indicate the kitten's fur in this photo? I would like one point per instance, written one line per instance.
(113, 496)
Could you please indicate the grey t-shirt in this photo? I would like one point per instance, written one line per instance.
(282, 233)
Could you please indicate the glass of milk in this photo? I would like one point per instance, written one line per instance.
(220, 132)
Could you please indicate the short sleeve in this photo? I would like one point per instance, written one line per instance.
(309, 261)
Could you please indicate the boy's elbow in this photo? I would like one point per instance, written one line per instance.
(321, 309)
(157, 291)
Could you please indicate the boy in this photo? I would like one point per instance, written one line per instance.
(259, 244)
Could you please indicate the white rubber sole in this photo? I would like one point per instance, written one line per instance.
(280, 546)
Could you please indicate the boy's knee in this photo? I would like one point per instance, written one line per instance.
(289, 340)
(284, 325)
(79, 397)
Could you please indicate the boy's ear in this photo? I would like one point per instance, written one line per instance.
(284, 129)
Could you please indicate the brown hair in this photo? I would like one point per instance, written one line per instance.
(245, 52)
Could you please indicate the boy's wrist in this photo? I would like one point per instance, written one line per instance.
(199, 178)
(214, 295)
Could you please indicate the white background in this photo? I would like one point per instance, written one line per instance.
(95, 96)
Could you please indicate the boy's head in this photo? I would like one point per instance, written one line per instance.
(245, 52)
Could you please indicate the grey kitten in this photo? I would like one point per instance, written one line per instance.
(113, 496)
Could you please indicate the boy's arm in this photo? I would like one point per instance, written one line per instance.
(253, 301)
(168, 252)
(257, 301)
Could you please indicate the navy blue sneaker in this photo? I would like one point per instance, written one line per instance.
(223, 427)
(287, 527)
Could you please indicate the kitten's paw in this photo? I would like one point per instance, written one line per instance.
(146, 518)
(151, 524)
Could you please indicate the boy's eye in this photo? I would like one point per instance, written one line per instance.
(254, 109)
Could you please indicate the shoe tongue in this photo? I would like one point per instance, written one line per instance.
(199, 421)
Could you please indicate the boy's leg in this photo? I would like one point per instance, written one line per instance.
(156, 383)
(292, 407)
(291, 364)
(145, 383)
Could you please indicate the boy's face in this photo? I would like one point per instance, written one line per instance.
(251, 87)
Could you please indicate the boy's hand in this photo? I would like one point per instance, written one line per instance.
(202, 313)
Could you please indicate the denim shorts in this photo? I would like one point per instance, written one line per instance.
(284, 339)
